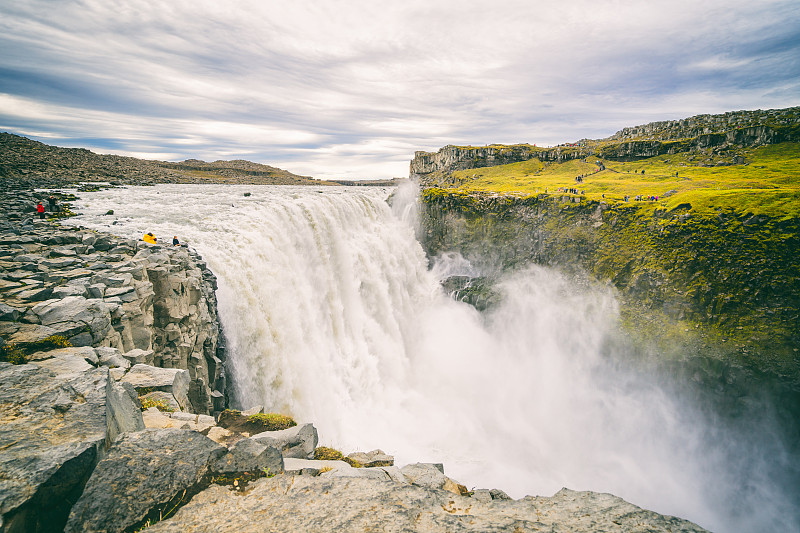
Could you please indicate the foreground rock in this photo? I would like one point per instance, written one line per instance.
(303, 503)
(297, 442)
(144, 472)
(53, 430)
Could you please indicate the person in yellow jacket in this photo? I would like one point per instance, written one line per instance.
(149, 237)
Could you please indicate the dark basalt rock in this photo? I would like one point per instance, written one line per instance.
(52, 432)
(345, 504)
(141, 477)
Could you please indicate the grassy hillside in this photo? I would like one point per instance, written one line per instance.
(767, 183)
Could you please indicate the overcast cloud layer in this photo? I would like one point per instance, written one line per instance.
(352, 88)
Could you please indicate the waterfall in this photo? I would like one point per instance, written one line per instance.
(333, 315)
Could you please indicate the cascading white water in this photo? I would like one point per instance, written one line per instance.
(332, 316)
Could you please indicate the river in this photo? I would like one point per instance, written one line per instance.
(333, 315)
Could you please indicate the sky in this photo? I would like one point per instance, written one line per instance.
(351, 89)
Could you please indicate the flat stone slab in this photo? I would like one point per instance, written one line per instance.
(65, 365)
(52, 431)
(311, 466)
(27, 333)
(142, 473)
(305, 503)
(298, 442)
(172, 380)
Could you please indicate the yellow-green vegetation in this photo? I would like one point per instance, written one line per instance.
(235, 421)
(11, 353)
(768, 183)
(18, 353)
(272, 421)
(727, 271)
(159, 404)
(324, 453)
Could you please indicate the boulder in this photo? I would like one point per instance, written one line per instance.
(137, 356)
(330, 503)
(144, 474)
(248, 455)
(52, 432)
(75, 312)
(111, 357)
(430, 476)
(27, 333)
(163, 397)
(201, 419)
(87, 353)
(373, 458)
(368, 473)
(65, 365)
(155, 419)
(9, 313)
(172, 380)
(219, 434)
(253, 410)
(128, 413)
(69, 290)
(296, 442)
(311, 467)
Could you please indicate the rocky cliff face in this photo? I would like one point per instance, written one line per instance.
(758, 126)
(435, 169)
(734, 277)
(702, 132)
(148, 304)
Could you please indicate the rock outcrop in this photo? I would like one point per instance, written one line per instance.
(297, 442)
(53, 430)
(329, 503)
(139, 304)
(141, 474)
(717, 133)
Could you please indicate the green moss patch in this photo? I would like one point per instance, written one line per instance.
(235, 421)
(18, 353)
(759, 181)
(324, 453)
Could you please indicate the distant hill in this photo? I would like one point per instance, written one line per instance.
(27, 162)
(712, 140)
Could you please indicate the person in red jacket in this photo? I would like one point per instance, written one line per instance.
(40, 210)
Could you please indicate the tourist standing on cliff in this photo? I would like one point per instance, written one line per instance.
(40, 210)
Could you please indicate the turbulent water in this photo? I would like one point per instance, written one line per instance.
(333, 315)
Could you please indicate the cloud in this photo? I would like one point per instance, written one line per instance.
(353, 88)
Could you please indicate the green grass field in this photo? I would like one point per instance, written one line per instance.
(768, 184)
